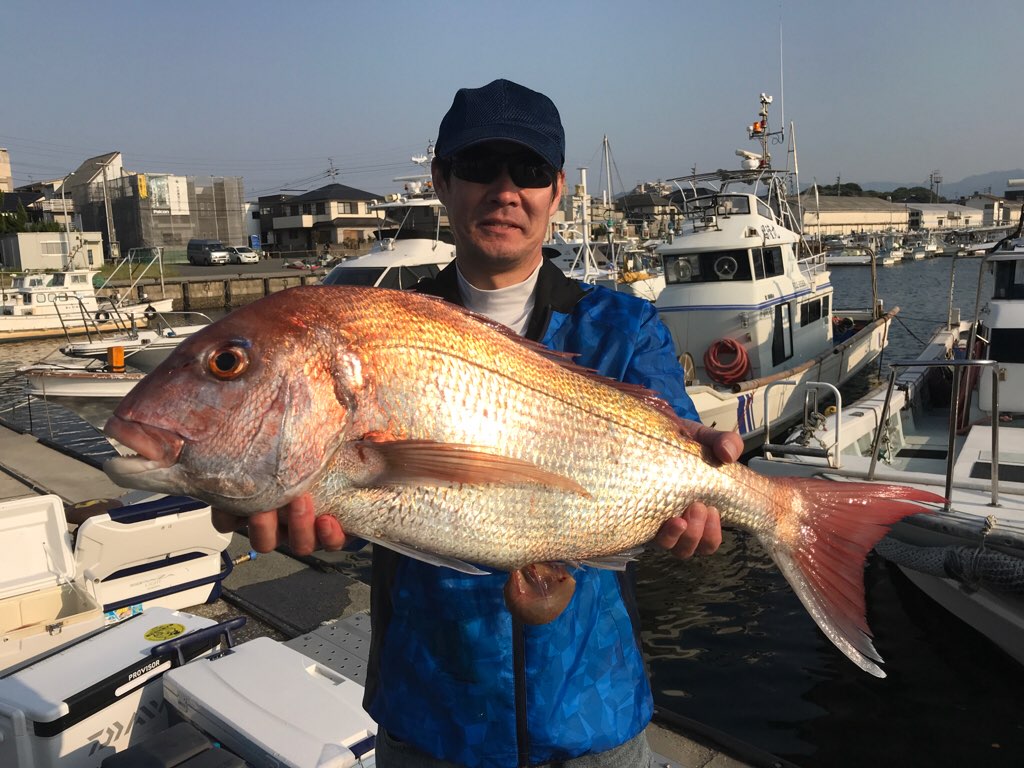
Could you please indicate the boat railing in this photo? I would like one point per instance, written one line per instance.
(159, 261)
(91, 320)
(958, 366)
(812, 419)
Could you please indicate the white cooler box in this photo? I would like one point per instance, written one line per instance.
(162, 552)
(275, 707)
(42, 603)
(99, 695)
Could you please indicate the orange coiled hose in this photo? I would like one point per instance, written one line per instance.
(720, 367)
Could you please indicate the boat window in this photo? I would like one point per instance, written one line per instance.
(811, 311)
(1006, 345)
(58, 279)
(354, 276)
(713, 267)
(765, 210)
(1009, 282)
(767, 262)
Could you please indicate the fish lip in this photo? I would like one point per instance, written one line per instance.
(158, 445)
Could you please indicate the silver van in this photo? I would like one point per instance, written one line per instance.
(207, 252)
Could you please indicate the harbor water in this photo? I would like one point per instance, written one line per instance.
(730, 646)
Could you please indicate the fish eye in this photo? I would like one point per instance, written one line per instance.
(229, 362)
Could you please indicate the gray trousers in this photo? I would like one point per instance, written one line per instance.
(635, 753)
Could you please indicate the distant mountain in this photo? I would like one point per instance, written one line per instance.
(993, 183)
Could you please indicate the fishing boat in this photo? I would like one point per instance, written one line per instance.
(856, 256)
(950, 420)
(748, 303)
(65, 303)
(412, 249)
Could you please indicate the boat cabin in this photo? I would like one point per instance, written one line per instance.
(732, 272)
(51, 293)
(1002, 323)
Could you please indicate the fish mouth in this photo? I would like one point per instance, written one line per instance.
(159, 447)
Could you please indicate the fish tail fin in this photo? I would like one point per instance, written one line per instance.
(840, 523)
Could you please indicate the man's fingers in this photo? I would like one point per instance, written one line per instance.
(263, 531)
(225, 522)
(300, 518)
(728, 447)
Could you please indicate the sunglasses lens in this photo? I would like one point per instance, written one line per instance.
(531, 174)
(526, 171)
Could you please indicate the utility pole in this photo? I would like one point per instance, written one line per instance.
(111, 234)
(67, 221)
(838, 190)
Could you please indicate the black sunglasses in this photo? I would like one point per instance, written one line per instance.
(526, 170)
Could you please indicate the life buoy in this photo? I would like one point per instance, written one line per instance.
(102, 317)
(726, 371)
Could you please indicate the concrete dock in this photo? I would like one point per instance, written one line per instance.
(294, 599)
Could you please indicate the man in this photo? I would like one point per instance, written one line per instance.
(454, 678)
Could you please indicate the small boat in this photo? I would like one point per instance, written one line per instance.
(748, 303)
(65, 303)
(142, 348)
(87, 387)
(850, 256)
(951, 421)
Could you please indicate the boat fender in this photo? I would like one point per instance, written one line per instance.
(102, 316)
(727, 371)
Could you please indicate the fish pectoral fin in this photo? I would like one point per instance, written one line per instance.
(427, 557)
(616, 562)
(411, 462)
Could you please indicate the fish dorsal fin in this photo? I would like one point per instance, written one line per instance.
(411, 462)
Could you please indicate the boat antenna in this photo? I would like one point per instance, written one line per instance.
(782, 77)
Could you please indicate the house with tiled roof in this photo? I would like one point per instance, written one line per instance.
(331, 217)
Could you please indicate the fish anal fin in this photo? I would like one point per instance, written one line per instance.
(426, 461)
(846, 520)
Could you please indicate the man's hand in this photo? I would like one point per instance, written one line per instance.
(698, 531)
(295, 524)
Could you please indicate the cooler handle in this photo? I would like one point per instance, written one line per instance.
(178, 645)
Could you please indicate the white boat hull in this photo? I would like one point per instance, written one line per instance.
(748, 411)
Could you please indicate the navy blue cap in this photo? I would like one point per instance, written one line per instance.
(502, 111)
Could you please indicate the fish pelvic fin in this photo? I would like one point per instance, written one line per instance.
(842, 523)
(413, 462)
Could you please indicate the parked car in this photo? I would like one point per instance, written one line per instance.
(242, 254)
(206, 252)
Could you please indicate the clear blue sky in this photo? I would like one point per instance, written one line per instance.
(879, 90)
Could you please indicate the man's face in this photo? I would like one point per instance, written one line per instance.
(498, 225)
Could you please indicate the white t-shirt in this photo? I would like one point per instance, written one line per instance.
(509, 306)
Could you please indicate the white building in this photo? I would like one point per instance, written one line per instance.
(21, 251)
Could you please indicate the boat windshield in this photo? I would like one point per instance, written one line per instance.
(398, 278)
(721, 205)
